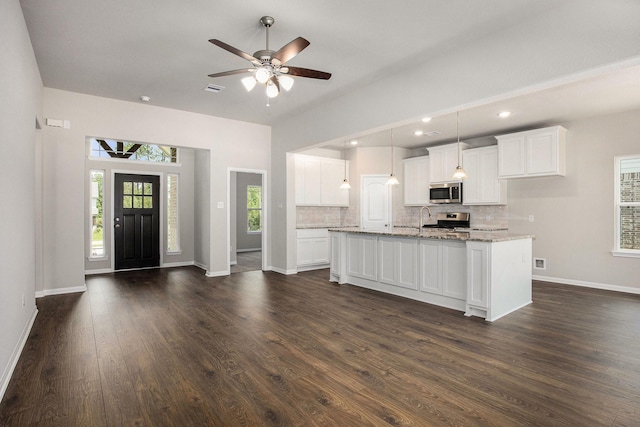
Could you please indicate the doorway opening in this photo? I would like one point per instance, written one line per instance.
(247, 220)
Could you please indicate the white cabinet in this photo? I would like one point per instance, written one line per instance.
(539, 152)
(443, 269)
(454, 274)
(431, 266)
(335, 252)
(478, 255)
(362, 256)
(443, 161)
(498, 277)
(416, 181)
(318, 179)
(482, 186)
(312, 248)
(398, 262)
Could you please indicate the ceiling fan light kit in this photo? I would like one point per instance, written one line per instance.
(269, 66)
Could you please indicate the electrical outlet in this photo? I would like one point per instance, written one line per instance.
(531, 218)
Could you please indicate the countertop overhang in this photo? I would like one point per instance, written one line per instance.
(460, 235)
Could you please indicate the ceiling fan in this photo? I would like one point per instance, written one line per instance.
(269, 67)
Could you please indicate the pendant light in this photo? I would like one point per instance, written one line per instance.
(459, 174)
(345, 183)
(392, 178)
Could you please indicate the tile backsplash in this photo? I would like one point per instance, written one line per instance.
(406, 216)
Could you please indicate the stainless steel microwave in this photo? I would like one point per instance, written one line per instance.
(448, 192)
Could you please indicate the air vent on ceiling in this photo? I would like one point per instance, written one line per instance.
(432, 133)
(213, 88)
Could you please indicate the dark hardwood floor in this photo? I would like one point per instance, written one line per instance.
(171, 347)
(247, 261)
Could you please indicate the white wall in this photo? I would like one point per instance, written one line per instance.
(202, 208)
(20, 105)
(574, 215)
(64, 232)
(544, 50)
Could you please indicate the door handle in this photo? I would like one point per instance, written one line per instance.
(117, 226)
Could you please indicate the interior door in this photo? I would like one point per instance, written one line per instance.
(136, 221)
(376, 203)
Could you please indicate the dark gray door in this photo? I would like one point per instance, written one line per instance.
(136, 221)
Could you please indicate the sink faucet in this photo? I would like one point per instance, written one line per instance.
(422, 215)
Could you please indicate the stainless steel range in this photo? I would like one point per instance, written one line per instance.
(451, 220)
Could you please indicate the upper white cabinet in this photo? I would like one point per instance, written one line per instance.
(318, 181)
(539, 152)
(443, 160)
(482, 186)
(416, 181)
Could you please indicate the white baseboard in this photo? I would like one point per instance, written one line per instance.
(200, 266)
(177, 264)
(17, 351)
(165, 265)
(312, 267)
(60, 291)
(594, 285)
(98, 271)
(282, 271)
(217, 273)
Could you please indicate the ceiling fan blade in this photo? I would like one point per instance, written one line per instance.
(306, 72)
(235, 51)
(288, 51)
(232, 72)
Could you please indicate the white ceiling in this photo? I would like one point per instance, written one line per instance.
(160, 48)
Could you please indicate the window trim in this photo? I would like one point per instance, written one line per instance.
(179, 250)
(617, 251)
(254, 209)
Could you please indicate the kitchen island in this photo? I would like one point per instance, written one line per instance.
(481, 273)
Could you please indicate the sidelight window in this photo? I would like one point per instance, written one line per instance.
(173, 229)
(96, 230)
(254, 208)
(627, 216)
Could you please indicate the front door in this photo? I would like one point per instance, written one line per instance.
(136, 221)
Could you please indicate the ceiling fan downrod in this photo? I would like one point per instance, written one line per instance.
(267, 22)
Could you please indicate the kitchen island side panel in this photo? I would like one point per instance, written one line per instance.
(510, 282)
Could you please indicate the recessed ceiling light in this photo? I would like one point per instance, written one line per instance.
(145, 98)
(418, 133)
(354, 142)
(426, 119)
(504, 114)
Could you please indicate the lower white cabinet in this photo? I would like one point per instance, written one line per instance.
(362, 256)
(398, 262)
(489, 279)
(443, 269)
(312, 248)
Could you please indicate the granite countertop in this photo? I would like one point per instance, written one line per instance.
(461, 235)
